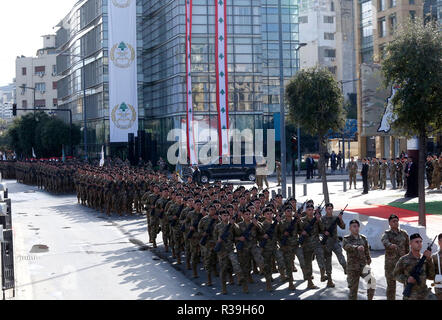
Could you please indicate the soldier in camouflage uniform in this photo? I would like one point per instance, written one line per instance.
(160, 211)
(226, 255)
(405, 265)
(311, 245)
(404, 176)
(270, 247)
(152, 221)
(437, 172)
(358, 258)
(249, 251)
(332, 244)
(287, 232)
(375, 173)
(206, 227)
(193, 236)
(383, 174)
(396, 243)
(185, 225)
(392, 172)
(352, 167)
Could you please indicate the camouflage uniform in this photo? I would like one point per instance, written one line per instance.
(250, 250)
(402, 272)
(401, 240)
(185, 224)
(383, 175)
(399, 173)
(352, 170)
(207, 252)
(161, 205)
(332, 244)
(356, 262)
(375, 175)
(226, 255)
(291, 246)
(392, 171)
(271, 251)
(175, 226)
(437, 170)
(193, 218)
(370, 174)
(311, 245)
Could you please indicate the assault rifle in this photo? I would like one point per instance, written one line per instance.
(269, 233)
(309, 227)
(173, 223)
(246, 234)
(195, 225)
(416, 272)
(208, 231)
(224, 235)
(290, 230)
(300, 208)
(332, 227)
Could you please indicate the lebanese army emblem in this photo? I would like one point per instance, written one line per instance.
(123, 116)
(122, 54)
(121, 3)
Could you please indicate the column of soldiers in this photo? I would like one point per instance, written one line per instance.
(236, 232)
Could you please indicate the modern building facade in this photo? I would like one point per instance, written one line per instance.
(327, 26)
(7, 99)
(375, 24)
(252, 53)
(39, 75)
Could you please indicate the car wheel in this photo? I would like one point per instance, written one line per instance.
(204, 178)
(251, 176)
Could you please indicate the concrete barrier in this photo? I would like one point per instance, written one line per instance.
(347, 217)
(373, 230)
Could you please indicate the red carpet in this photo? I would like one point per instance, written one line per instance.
(383, 211)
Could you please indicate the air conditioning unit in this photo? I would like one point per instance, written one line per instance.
(42, 92)
(41, 75)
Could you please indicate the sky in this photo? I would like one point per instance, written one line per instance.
(22, 23)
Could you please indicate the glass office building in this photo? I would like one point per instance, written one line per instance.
(253, 65)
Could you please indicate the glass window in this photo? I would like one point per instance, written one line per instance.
(328, 19)
(329, 36)
(382, 27)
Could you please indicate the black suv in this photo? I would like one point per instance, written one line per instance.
(243, 168)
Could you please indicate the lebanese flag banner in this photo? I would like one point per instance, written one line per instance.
(222, 76)
(191, 151)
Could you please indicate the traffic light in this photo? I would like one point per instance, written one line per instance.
(294, 141)
(14, 109)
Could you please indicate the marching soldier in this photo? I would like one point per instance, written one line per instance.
(352, 167)
(332, 243)
(358, 258)
(396, 243)
(406, 264)
(193, 236)
(206, 227)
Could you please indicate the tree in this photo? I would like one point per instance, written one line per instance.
(315, 102)
(413, 63)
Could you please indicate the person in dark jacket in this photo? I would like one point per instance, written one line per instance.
(364, 174)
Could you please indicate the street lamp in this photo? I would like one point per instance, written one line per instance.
(83, 80)
(24, 87)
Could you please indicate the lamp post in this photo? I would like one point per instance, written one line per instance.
(30, 88)
(83, 80)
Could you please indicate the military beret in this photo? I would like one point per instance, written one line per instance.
(198, 201)
(288, 207)
(221, 212)
(254, 188)
(309, 206)
(393, 216)
(215, 201)
(229, 206)
(212, 206)
(414, 236)
(354, 221)
(329, 205)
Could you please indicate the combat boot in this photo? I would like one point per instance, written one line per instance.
(268, 285)
(209, 279)
(330, 283)
(370, 294)
(240, 279)
(223, 287)
(188, 263)
(323, 276)
(194, 271)
(311, 285)
(291, 285)
(283, 275)
(173, 254)
(245, 288)
(178, 259)
(166, 248)
(250, 279)
(154, 244)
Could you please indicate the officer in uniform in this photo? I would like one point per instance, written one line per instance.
(383, 174)
(399, 171)
(396, 243)
(392, 172)
(437, 261)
